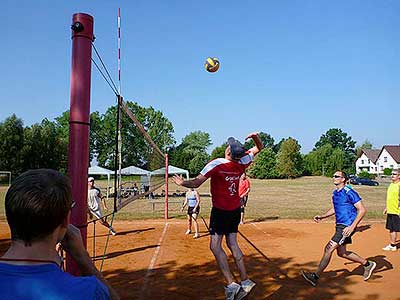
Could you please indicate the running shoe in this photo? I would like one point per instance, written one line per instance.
(196, 236)
(389, 248)
(248, 285)
(310, 277)
(188, 231)
(368, 270)
(234, 292)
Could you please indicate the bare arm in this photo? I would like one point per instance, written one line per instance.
(361, 210)
(327, 214)
(193, 183)
(257, 142)
(73, 244)
(198, 200)
(184, 202)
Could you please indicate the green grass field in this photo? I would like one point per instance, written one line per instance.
(300, 198)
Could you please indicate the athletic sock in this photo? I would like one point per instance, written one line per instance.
(393, 245)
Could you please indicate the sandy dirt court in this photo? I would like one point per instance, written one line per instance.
(151, 259)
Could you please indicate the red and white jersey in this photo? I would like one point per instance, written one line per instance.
(225, 175)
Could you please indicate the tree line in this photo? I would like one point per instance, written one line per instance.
(45, 145)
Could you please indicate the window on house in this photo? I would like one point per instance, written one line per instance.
(381, 168)
(369, 161)
(391, 166)
(376, 168)
(385, 159)
(362, 161)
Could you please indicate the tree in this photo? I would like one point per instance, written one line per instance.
(44, 147)
(11, 144)
(315, 161)
(277, 146)
(219, 151)
(339, 139)
(264, 165)
(135, 149)
(289, 161)
(191, 153)
(366, 145)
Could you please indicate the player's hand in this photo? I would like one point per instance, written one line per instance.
(317, 218)
(385, 211)
(348, 230)
(72, 242)
(251, 135)
(177, 179)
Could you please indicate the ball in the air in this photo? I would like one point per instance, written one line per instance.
(211, 64)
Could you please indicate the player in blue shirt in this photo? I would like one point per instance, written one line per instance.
(349, 210)
(38, 206)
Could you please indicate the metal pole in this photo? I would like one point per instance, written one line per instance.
(78, 162)
(166, 187)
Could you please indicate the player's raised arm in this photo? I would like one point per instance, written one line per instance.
(257, 142)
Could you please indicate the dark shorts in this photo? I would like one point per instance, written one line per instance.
(224, 221)
(190, 210)
(339, 238)
(393, 222)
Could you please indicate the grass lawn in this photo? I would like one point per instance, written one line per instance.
(300, 198)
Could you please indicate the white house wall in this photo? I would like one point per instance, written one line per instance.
(385, 160)
(363, 163)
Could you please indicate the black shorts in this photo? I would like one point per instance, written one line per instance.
(393, 222)
(224, 221)
(339, 238)
(190, 210)
(243, 200)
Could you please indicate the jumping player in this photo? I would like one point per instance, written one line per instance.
(225, 214)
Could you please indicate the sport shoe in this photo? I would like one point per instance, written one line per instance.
(248, 285)
(368, 270)
(234, 292)
(311, 277)
(196, 236)
(188, 231)
(112, 231)
(390, 248)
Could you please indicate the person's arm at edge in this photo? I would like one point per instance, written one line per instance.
(327, 214)
(193, 183)
(257, 142)
(73, 244)
(198, 200)
(361, 210)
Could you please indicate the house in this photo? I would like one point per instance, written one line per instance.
(389, 157)
(374, 161)
(367, 161)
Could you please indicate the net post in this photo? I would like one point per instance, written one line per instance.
(79, 124)
(166, 187)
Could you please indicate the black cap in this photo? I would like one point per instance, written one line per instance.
(236, 147)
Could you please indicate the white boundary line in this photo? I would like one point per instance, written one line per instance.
(153, 260)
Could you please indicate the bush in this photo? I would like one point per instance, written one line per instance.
(365, 174)
(387, 171)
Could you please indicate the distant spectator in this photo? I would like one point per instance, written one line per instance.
(192, 199)
(244, 190)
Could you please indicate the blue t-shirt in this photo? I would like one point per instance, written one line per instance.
(343, 203)
(47, 282)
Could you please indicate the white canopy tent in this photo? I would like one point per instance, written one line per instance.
(97, 170)
(171, 170)
(133, 170)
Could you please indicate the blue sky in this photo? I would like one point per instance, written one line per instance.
(288, 68)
